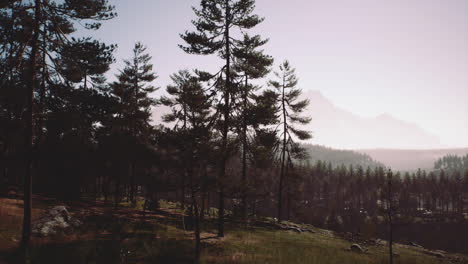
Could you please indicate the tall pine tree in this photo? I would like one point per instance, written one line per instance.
(133, 114)
(250, 64)
(191, 107)
(216, 25)
(289, 109)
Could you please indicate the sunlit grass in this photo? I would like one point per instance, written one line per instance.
(264, 246)
(106, 239)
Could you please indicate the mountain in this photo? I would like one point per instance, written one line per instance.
(410, 160)
(336, 127)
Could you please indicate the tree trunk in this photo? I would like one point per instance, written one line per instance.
(244, 152)
(203, 195)
(202, 208)
(390, 242)
(288, 192)
(105, 188)
(227, 94)
(42, 91)
(196, 219)
(117, 193)
(283, 157)
(390, 223)
(182, 201)
(29, 137)
(208, 205)
(132, 184)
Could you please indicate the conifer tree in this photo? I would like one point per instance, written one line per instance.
(390, 210)
(191, 106)
(85, 60)
(133, 114)
(289, 109)
(43, 27)
(250, 64)
(216, 25)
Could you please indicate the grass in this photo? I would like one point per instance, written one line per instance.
(112, 237)
(265, 246)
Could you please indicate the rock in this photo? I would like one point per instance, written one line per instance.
(380, 242)
(55, 220)
(298, 230)
(435, 254)
(357, 248)
(292, 228)
(415, 245)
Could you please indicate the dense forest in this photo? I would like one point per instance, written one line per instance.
(452, 163)
(228, 143)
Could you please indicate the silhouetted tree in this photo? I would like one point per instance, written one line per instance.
(215, 33)
(390, 210)
(250, 63)
(85, 60)
(41, 23)
(191, 106)
(290, 110)
(133, 115)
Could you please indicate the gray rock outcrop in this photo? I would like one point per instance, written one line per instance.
(56, 219)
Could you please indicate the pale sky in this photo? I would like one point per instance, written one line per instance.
(405, 58)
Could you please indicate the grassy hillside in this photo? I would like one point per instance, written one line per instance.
(337, 157)
(126, 236)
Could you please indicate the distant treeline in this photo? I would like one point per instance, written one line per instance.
(339, 157)
(452, 163)
(342, 190)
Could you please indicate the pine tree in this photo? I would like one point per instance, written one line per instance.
(40, 24)
(290, 110)
(85, 60)
(250, 64)
(191, 106)
(133, 114)
(390, 212)
(215, 25)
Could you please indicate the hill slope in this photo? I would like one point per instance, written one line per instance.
(123, 236)
(338, 157)
(407, 159)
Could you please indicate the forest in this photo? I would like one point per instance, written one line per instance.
(232, 147)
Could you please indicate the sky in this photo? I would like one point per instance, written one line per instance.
(408, 59)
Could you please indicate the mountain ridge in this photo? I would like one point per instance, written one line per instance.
(339, 128)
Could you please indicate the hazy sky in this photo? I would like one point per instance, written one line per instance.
(405, 58)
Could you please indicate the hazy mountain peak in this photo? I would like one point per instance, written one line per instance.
(336, 127)
(317, 100)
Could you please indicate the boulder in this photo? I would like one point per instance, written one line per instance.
(379, 242)
(435, 254)
(357, 248)
(56, 219)
(296, 229)
(415, 245)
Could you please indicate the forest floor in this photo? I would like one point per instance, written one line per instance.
(125, 235)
